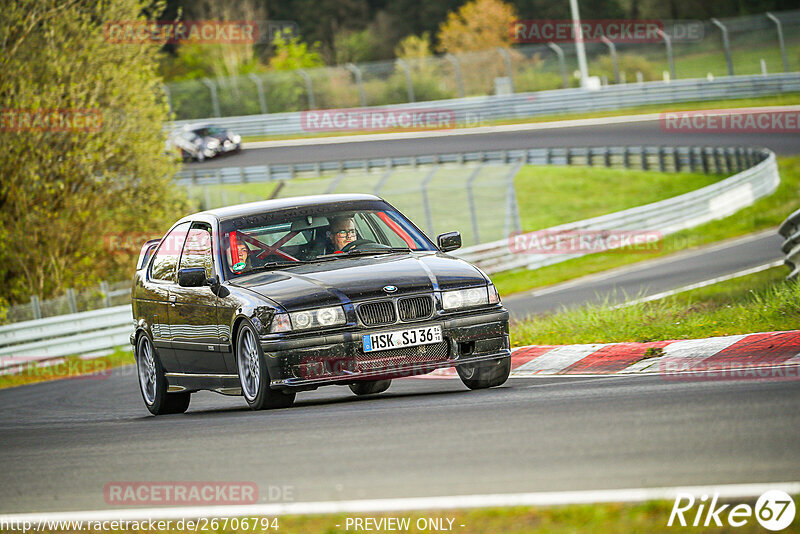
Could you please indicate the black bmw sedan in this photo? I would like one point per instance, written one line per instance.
(270, 298)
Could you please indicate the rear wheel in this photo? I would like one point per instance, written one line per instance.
(153, 383)
(371, 387)
(253, 373)
(486, 374)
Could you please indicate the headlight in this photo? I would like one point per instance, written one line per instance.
(236, 138)
(212, 143)
(465, 298)
(322, 317)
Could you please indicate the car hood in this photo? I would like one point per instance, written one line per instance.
(360, 278)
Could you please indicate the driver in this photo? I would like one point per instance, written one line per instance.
(342, 231)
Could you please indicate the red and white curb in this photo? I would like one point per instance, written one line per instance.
(728, 354)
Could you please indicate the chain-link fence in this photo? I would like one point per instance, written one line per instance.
(743, 45)
(104, 295)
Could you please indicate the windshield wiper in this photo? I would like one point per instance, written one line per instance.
(362, 252)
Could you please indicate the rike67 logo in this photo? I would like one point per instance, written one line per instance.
(774, 511)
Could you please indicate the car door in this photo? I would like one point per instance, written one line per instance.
(193, 310)
(156, 292)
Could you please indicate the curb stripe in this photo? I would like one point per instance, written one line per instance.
(771, 348)
(614, 358)
(554, 361)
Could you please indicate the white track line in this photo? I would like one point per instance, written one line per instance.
(479, 130)
(725, 491)
(698, 285)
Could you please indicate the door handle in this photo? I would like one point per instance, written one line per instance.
(172, 299)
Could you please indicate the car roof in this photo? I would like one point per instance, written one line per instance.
(254, 208)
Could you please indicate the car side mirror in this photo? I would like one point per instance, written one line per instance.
(449, 241)
(192, 277)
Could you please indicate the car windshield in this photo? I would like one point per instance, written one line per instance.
(209, 130)
(283, 239)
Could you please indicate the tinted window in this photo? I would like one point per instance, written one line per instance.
(197, 250)
(166, 260)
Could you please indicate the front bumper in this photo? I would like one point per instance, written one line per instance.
(315, 360)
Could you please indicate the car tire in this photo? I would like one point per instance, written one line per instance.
(153, 384)
(370, 387)
(253, 373)
(488, 374)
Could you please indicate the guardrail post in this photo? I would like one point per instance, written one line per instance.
(73, 305)
(613, 50)
(661, 164)
(704, 155)
(670, 59)
(562, 64)
(457, 71)
(362, 97)
(262, 101)
(509, 70)
(626, 158)
(739, 167)
(644, 158)
(214, 100)
(106, 294)
(782, 44)
(309, 87)
(403, 64)
(607, 156)
(471, 200)
(728, 163)
(569, 156)
(725, 43)
(35, 307)
(548, 156)
(676, 154)
(692, 166)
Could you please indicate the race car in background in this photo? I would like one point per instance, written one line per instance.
(198, 142)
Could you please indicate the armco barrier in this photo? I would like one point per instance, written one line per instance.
(667, 216)
(472, 111)
(790, 229)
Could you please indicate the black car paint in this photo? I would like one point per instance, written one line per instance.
(193, 328)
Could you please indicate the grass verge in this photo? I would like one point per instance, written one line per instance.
(756, 303)
(72, 367)
(774, 100)
(765, 213)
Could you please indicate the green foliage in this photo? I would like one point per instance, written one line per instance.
(630, 64)
(355, 46)
(63, 192)
(291, 53)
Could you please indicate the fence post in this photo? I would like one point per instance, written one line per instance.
(509, 69)
(471, 200)
(626, 157)
(359, 82)
(214, 99)
(644, 158)
(262, 101)
(607, 156)
(725, 43)
(457, 70)
(169, 97)
(676, 154)
(704, 159)
(661, 164)
(782, 44)
(561, 63)
(73, 305)
(35, 307)
(613, 50)
(670, 58)
(512, 213)
(403, 64)
(426, 203)
(106, 296)
(309, 87)
(717, 163)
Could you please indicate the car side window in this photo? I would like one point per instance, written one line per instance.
(197, 249)
(165, 261)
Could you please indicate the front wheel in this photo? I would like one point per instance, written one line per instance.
(253, 373)
(153, 383)
(488, 374)
(371, 387)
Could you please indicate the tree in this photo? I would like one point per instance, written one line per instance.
(66, 186)
(477, 25)
(291, 53)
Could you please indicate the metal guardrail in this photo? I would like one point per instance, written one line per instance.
(790, 229)
(64, 335)
(472, 111)
(667, 216)
(756, 176)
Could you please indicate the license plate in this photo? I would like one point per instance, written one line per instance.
(402, 338)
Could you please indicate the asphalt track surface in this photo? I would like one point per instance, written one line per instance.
(633, 134)
(62, 442)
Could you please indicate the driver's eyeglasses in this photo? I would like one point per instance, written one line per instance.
(345, 233)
